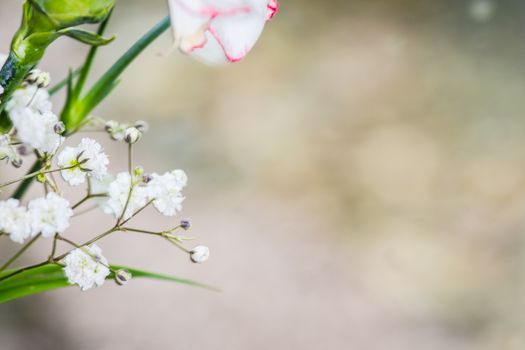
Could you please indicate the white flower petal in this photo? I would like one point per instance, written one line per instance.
(83, 269)
(219, 31)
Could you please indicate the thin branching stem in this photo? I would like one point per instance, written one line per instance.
(19, 253)
(35, 173)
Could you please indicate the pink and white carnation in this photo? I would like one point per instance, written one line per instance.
(218, 31)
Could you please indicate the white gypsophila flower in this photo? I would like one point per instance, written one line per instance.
(49, 215)
(14, 220)
(6, 150)
(118, 192)
(86, 267)
(165, 191)
(87, 159)
(29, 97)
(36, 129)
(100, 187)
(199, 254)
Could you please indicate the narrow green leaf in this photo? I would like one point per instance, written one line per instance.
(158, 276)
(50, 276)
(93, 96)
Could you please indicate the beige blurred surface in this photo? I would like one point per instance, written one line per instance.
(359, 179)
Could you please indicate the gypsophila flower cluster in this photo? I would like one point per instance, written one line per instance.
(212, 31)
(86, 267)
(123, 196)
(30, 111)
(87, 159)
(46, 216)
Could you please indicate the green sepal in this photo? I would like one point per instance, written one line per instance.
(86, 37)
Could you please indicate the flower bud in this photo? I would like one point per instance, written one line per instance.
(185, 224)
(59, 128)
(146, 178)
(24, 149)
(142, 125)
(39, 78)
(139, 171)
(33, 75)
(132, 135)
(111, 125)
(17, 162)
(199, 254)
(122, 277)
(41, 178)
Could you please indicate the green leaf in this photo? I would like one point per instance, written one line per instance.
(50, 276)
(86, 37)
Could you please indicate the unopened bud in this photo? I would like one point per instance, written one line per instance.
(17, 162)
(39, 78)
(59, 128)
(185, 224)
(24, 150)
(132, 135)
(199, 254)
(111, 125)
(41, 178)
(147, 178)
(139, 171)
(142, 125)
(33, 76)
(122, 277)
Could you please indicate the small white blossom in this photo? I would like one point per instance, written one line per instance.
(165, 191)
(14, 220)
(118, 192)
(36, 129)
(199, 254)
(86, 267)
(87, 159)
(6, 150)
(29, 97)
(49, 215)
(101, 186)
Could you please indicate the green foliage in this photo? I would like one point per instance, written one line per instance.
(50, 276)
(43, 21)
(78, 107)
(67, 13)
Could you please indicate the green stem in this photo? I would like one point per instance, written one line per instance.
(35, 173)
(12, 74)
(86, 198)
(24, 186)
(89, 61)
(20, 252)
(62, 83)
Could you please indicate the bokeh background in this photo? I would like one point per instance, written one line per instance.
(360, 179)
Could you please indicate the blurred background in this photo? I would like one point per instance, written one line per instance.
(359, 178)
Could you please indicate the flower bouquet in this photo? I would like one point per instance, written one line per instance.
(212, 31)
